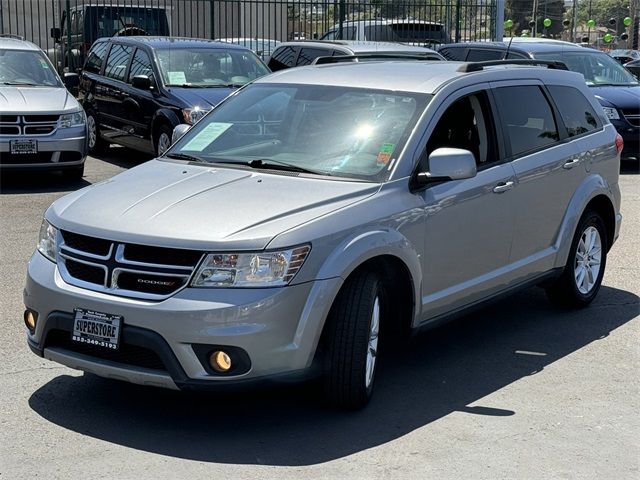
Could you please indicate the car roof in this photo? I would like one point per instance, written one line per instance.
(408, 76)
(14, 43)
(359, 46)
(167, 42)
(532, 45)
(394, 21)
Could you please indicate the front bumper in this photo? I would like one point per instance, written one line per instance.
(64, 148)
(278, 328)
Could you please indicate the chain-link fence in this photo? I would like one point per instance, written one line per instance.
(66, 28)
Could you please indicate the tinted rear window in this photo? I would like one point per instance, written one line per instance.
(282, 58)
(576, 111)
(419, 32)
(455, 54)
(96, 57)
(308, 55)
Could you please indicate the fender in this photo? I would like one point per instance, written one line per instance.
(164, 115)
(356, 249)
(591, 187)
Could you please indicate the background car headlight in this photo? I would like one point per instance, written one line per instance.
(192, 115)
(47, 243)
(76, 119)
(259, 269)
(611, 113)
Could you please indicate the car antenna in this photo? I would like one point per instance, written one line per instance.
(506, 53)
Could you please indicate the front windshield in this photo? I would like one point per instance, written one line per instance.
(27, 68)
(326, 130)
(208, 67)
(598, 69)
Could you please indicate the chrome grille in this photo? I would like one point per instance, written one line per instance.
(124, 269)
(31, 125)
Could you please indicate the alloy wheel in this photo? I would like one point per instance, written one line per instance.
(588, 260)
(372, 347)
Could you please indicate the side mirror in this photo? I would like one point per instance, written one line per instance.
(448, 164)
(56, 34)
(142, 82)
(179, 131)
(71, 80)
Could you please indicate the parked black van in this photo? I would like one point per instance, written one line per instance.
(84, 24)
(136, 90)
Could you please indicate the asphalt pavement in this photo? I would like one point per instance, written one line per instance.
(516, 390)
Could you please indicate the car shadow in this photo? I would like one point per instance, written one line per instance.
(630, 167)
(445, 370)
(12, 183)
(122, 157)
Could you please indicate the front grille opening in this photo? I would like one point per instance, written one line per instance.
(84, 272)
(25, 158)
(84, 243)
(41, 118)
(155, 284)
(8, 119)
(9, 130)
(162, 256)
(127, 354)
(39, 129)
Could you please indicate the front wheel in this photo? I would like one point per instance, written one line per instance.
(582, 275)
(352, 341)
(95, 143)
(163, 140)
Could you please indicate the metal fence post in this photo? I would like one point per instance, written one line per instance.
(458, 13)
(499, 33)
(342, 18)
(69, 49)
(211, 19)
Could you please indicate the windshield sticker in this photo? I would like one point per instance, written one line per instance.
(386, 150)
(177, 78)
(206, 136)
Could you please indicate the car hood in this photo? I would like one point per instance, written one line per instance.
(165, 203)
(36, 99)
(201, 97)
(620, 97)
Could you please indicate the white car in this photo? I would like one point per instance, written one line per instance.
(414, 32)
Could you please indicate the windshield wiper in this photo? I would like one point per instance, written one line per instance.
(269, 164)
(184, 156)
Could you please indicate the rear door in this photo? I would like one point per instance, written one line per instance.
(548, 168)
(110, 93)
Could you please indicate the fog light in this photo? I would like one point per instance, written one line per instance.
(30, 319)
(220, 361)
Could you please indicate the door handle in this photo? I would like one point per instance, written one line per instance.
(503, 187)
(571, 163)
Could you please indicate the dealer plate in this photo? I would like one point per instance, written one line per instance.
(96, 328)
(21, 147)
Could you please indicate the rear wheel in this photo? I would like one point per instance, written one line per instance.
(352, 341)
(582, 275)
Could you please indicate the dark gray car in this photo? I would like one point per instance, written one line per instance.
(320, 211)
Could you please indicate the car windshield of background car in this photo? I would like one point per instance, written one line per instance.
(208, 67)
(598, 69)
(329, 130)
(26, 68)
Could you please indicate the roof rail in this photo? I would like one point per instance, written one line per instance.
(478, 66)
(375, 56)
(11, 35)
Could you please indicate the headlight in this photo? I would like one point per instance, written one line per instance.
(611, 113)
(260, 269)
(192, 115)
(47, 243)
(76, 119)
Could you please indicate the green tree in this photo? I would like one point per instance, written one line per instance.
(601, 11)
(521, 12)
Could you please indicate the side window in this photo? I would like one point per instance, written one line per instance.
(467, 124)
(576, 111)
(484, 54)
(308, 55)
(379, 33)
(528, 118)
(96, 57)
(454, 54)
(282, 58)
(117, 61)
(140, 65)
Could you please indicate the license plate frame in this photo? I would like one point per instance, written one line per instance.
(23, 147)
(99, 329)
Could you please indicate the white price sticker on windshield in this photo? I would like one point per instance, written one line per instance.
(177, 78)
(206, 136)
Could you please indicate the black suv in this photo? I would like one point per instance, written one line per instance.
(617, 90)
(82, 25)
(136, 90)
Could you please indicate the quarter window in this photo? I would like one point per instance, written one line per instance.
(140, 65)
(96, 57)
(308, 55)
(117, 61)
(528, 118)
(576, 111)
(282, 58)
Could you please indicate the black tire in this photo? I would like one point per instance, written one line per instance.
(98, 145)
(565, 292)
(346, 341)
(74, 173)
(162, 130)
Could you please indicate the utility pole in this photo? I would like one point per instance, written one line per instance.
(575, 21)
(500, 4)
(534, 19)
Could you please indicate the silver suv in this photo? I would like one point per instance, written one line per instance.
(42, 126)
(321, 211)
